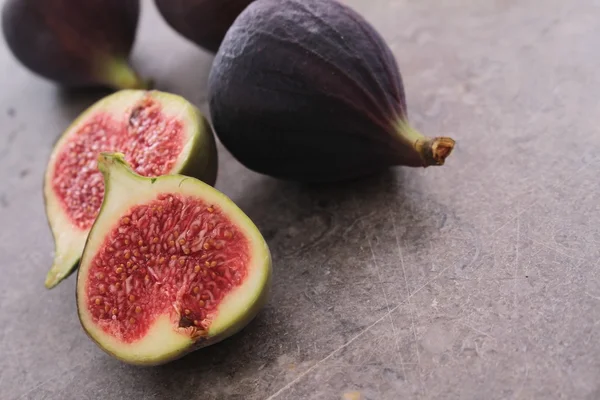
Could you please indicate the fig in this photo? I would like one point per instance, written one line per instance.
(171, 265)
(308, 90)
(204, 22)
(159, 133)
(75, 43)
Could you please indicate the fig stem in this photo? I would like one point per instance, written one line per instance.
(433, 151)
(119, 75)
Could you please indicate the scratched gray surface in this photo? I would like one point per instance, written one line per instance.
(478, 280)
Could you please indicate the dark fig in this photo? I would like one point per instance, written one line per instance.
(74, 43)
(204, 22)
(171, 265)
(308, 90)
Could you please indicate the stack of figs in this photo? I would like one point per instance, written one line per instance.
(300, 90)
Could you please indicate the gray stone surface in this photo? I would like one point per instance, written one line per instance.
(478, 280)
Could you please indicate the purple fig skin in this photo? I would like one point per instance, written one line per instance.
(307, 90)
(204, 22)
(74, 43)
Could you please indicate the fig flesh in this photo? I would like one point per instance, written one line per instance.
(159, 133)
(204, 22)
(75, 43)
(308, 90)
(171, 265)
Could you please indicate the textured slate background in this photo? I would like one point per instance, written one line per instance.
(478, 280)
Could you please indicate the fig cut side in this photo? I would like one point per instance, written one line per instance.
(171, 265)
(308, 90)
(159, 133)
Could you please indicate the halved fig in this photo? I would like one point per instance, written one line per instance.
(171, 265)
(159, 133)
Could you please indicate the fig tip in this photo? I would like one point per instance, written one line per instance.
(441, 148)
(435, 151)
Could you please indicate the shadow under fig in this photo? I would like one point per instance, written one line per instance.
(315, 213)
(269, 193)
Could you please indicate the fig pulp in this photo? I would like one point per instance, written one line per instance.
(307, 90)
(171, 265)
(204, 22)
(159, 133)
(74, 43)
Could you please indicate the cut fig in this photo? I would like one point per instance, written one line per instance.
(308, 90)
(159, 133)
(204, 22)
(75, 43)
(171, 265)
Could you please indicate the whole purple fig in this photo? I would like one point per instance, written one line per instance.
(307, 90)
(74, 43)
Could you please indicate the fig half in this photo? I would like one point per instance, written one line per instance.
(171, 265)
(204, 22)
(308, 90)
(159, 133)
(75, 43)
